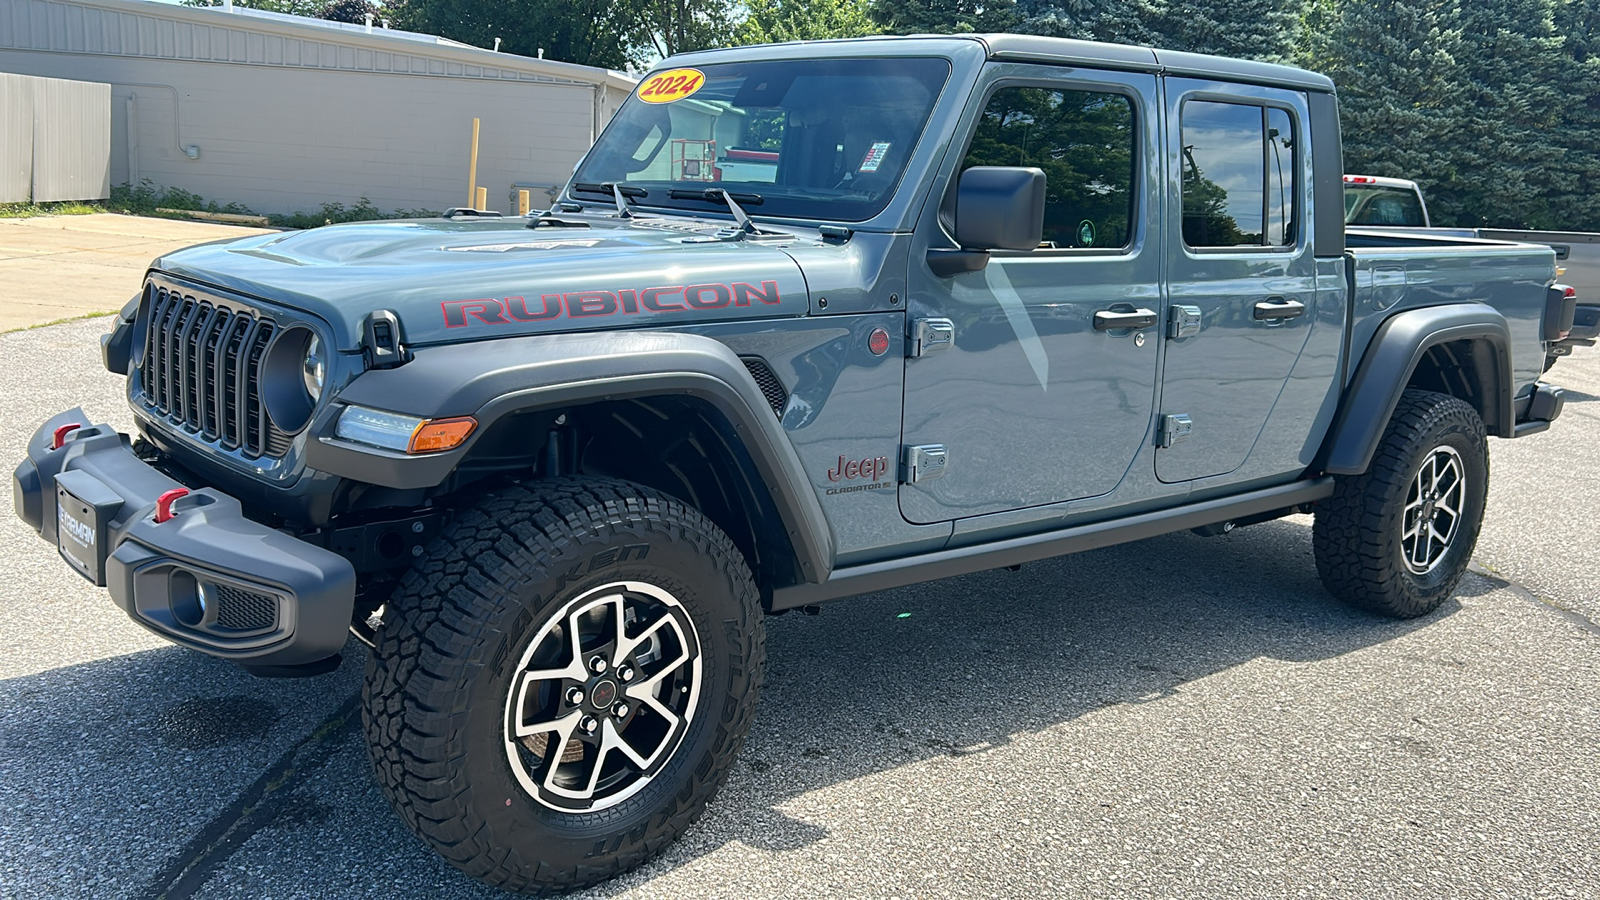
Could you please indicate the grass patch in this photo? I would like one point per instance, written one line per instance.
(79, 318)
(63, 208)
(146, 199)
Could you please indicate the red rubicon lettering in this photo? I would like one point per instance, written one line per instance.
(591, 303)
(489, 312)
(744, 293)
(588, 304)
(695, 294)
(650, 298)
(517, 308)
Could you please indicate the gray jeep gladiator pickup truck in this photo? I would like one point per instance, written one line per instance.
(808, 321)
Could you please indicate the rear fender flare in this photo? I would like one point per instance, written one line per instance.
(1397, 347)
(493, 379)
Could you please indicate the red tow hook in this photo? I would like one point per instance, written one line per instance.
(61, 433)
(164, 504)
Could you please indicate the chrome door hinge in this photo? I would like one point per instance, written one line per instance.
(1183, 321)
(929, 335)
(922, 462)
(1173, 430)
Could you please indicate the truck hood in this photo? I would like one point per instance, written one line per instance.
(455, 280)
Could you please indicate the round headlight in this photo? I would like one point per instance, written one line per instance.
(314, 370)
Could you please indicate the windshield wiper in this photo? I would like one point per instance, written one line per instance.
(619, 192)
(722, 195)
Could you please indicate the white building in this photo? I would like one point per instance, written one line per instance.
(283, 114)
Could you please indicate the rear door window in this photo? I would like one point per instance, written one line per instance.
(1238, 175)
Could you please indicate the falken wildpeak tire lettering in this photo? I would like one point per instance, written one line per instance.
(1358, 538)
(435, 697)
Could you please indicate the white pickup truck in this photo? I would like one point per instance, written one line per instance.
(1376, 202)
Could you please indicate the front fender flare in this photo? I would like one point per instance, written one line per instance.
(491, 379)
(1392, 356)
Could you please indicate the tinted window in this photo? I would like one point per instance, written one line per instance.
(813, 138)
(1238, 175)
(1084, 141)
(1367, 205)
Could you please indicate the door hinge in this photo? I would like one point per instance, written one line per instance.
(922, 462)
(929, 335)
(1183, 321)
(1173, 430)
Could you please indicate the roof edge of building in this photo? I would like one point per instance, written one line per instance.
(378, 39)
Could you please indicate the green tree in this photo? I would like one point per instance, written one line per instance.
(678, 26)
(1117, 21)
(307, 8)
(1511, 169)
(1243, 29)
(1395, 65)
(944, 16)
(590, 32)
(1579, 136)
(353, 11)
(774, 21)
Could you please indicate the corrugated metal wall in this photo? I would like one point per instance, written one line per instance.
(16, 138)
(55, 139)
(285, 117)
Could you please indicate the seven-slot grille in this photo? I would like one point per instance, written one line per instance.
(202, 371)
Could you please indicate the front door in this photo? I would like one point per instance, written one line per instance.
(1240, 264)
(1038, 401)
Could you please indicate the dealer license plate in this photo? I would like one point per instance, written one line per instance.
(79, 535)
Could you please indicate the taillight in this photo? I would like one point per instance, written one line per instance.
(1360, 179)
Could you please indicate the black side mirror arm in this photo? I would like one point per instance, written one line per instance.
(950, 263)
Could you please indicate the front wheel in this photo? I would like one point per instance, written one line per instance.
(1397, 538)
(561, 684)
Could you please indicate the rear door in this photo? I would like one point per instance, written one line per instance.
(1037, 401)
(1241, 277)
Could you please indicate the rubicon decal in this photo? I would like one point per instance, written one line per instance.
(591, 304)
(872, 467)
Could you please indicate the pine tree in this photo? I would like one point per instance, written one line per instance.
(1510, 166)
(1394, 63)
(1244, 29)
(944, 16)
(1577, 206)
(1117, 21)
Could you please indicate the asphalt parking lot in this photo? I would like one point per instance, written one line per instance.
(1183, 716)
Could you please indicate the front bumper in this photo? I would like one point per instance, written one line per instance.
(209, 578)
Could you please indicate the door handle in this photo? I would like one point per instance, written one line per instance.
(1111, 319)
(1279, 308)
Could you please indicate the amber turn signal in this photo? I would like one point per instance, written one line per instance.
(441, 434)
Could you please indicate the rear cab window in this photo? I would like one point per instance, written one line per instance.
(1238, 176)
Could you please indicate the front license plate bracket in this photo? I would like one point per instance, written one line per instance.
(85, 508)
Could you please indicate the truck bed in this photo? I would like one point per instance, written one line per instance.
(1391, 271)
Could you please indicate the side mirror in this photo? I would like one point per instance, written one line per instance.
(997, 208)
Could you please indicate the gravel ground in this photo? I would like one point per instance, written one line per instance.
(1183, 716)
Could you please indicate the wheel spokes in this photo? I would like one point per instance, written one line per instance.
(1432, 512)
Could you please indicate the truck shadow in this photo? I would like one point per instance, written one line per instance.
(950, 669)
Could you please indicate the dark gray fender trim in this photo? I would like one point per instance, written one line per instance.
(1396, 349)
(492, 379)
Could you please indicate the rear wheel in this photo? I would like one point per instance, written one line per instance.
(560, 686)
(1397, 539)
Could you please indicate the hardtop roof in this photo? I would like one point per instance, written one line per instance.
(1033, 48)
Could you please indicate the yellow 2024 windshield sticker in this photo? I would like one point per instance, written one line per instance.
(671, 85)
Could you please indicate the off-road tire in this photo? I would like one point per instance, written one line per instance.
(1357, 538)
(435, 702)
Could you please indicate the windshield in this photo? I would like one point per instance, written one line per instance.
(1373, 205)
(803, 139)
